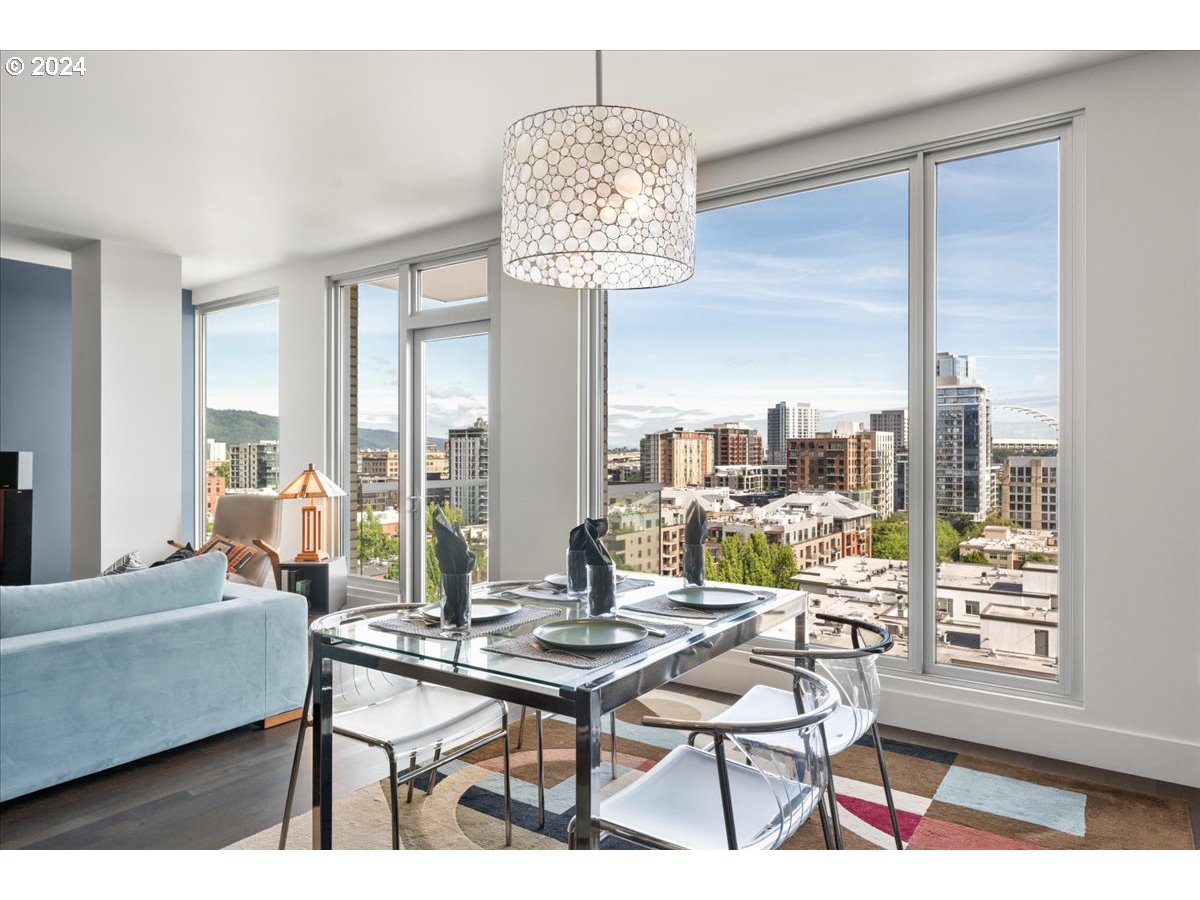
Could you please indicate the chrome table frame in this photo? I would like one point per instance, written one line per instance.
(612, 687)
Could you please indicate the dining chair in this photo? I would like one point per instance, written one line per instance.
(856, 677)
(701, 799)
(418, 726)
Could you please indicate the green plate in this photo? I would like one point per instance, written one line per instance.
(711, 597)
(481, 610)
(589, 634)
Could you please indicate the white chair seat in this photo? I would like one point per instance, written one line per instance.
(762, 703)
(417, 716)
(678, 803)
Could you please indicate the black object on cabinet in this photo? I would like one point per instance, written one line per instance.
(16, 517)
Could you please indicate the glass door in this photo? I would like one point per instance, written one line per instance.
(449, 445)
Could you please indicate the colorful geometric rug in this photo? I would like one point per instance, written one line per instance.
(944, 800)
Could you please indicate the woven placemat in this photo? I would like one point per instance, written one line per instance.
(527, 647)
(541, 590)
(427, 628)
(661, 606)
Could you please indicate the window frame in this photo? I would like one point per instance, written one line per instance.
(200, 369)
(919, 162)
(475, 317)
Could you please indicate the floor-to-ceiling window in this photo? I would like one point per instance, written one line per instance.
(239, 391)
(997, 407)
(414, 416)
(774, 388)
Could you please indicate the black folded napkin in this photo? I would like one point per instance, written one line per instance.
(695, 524)
(586, 536)
(450, 546)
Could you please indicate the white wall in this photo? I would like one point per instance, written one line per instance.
(1139, 707)
(126, 381)
(539, 395)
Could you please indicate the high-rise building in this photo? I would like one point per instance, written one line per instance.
(895, 421)
(832, 462)
(1029, 492)
(676, 457)
(253, 466)
(964, 436)
(883, 473)
(786, 421)
(215, 451)
(949, 365)
(901, 495)
(467, 449)
(735, 444)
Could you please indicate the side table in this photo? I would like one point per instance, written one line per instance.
(322, 583)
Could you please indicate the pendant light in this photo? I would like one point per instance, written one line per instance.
(599, 197)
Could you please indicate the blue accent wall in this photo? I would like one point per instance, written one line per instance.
(35, 400)
(187, 508)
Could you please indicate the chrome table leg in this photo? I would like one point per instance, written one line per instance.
(322, 768)
(588, 723)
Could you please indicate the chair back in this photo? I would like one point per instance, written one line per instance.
(245, 517)
(795, 775)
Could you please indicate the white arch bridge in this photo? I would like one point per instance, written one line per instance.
(1044, 418)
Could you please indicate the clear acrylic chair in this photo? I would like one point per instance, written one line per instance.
(701, 799)
(854, 673)
(419, 726)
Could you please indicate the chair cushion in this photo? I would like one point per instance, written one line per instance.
(237, 554)
(843, 727)
(678, 802)
(48, 607)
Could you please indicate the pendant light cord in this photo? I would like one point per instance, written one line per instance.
(599, 78)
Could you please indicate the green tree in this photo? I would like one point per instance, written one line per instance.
(222, 469)
(758, 561)
(783, 565)
(433, 573)
(710, 567)
(373, 543)
(947, 541)
(889, 539)
(975, 557)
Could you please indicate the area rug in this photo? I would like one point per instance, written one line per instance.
(944, 800)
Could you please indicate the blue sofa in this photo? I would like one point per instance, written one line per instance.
(99, 672)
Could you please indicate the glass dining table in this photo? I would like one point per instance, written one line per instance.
(585, 695)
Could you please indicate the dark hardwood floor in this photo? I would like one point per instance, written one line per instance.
(215, 792)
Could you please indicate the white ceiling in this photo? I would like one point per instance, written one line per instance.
(241, 161)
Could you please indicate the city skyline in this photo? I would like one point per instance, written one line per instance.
(815, 281)
(831, 265)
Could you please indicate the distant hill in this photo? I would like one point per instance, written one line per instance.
(241, 426)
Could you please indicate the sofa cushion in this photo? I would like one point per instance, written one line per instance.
(46, 607)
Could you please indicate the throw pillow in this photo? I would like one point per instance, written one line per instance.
(182, 553)
(236, 553)
(130, 562)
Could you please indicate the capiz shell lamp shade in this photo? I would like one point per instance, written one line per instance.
(599, 197)
(308, 485)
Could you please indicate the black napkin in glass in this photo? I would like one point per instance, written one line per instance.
(695, 527)
(450, 546)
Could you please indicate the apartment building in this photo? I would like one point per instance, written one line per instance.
(963, 444)
(786, 421)
(1029, 492)
(677, 457)
(734, 444)
(254, 466)
(467, 449)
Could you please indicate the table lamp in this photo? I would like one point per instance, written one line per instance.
(309, 485)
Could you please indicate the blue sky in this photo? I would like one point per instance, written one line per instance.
(242, 358)
(802, 297)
